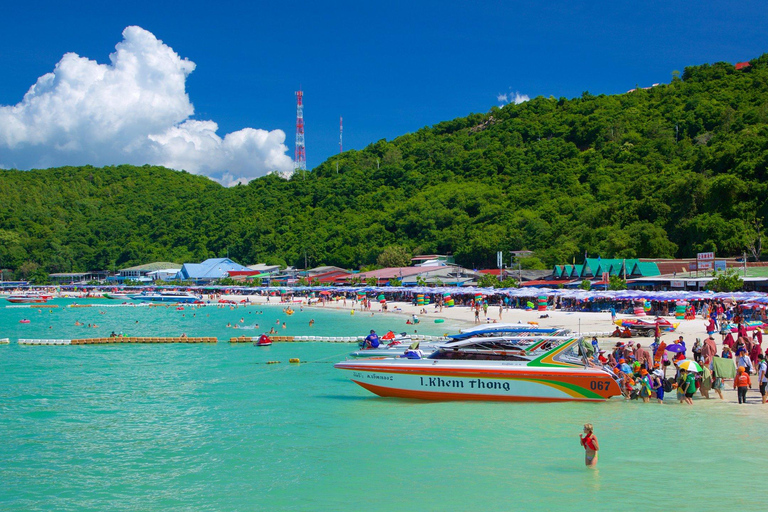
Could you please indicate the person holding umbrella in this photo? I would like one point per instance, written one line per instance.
(688, 385)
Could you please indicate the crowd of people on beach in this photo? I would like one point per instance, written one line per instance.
(643, 373)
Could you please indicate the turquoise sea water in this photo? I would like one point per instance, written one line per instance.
(211, 427)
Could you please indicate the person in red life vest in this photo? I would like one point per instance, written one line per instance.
(589, 442)
(742, 383)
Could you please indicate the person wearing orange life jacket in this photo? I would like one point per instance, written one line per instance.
(742, 383)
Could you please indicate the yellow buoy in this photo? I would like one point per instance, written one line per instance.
(294, 360)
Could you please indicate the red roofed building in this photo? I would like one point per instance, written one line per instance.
(742, 65)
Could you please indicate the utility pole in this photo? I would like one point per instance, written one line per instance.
(745, 264)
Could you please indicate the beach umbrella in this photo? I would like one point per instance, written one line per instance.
(675, 347)
(381, 297)
(689, 366)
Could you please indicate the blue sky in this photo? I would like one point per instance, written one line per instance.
(387, 68)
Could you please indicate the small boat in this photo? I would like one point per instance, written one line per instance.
(263, 341)
(24, 321)
(174, 297)
(549, 369)
(117, 296)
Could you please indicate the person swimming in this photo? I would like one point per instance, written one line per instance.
(591, 447)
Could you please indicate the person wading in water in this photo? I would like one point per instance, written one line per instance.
(589, 442)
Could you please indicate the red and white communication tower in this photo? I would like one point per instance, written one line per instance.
(300, 155)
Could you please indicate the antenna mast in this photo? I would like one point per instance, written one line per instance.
(341, 132)
(300, 155)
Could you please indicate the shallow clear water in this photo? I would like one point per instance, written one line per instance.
(210, 427)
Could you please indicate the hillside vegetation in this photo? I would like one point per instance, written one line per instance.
(668, 171)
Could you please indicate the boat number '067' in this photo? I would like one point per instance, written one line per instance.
(598, 385)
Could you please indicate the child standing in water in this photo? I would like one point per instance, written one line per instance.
(589, 442)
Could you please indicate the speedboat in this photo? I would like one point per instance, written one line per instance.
(28, 299)
(546, 369)
(117, 296)
(646, 327)
(400, 343)
(175, 297)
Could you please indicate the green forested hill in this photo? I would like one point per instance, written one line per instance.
(667, 171)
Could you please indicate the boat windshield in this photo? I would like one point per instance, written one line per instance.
(573, 354)
(486, 351)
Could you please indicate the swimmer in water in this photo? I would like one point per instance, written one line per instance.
(591, 447)
(283, 325)
(312, 322)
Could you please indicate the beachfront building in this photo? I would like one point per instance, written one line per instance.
(259, 273)
(325, 275)
(524, 277)
(432, 260)
(651, 273)
(78, 277)
(209, 271)
(434, 275)
(156, 271)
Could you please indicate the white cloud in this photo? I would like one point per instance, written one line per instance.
(133, 110)
(516, 98)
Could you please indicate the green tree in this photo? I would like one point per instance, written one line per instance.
(394, 256)
(510, 282)
(616, 283)
(488, 281)
(39, 276)
(586, 285)
(728, 281)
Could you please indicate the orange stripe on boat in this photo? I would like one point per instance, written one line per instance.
(443, 396)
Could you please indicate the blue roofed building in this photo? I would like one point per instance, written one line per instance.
(208, 271)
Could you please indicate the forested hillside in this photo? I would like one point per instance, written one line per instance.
(667, 171)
